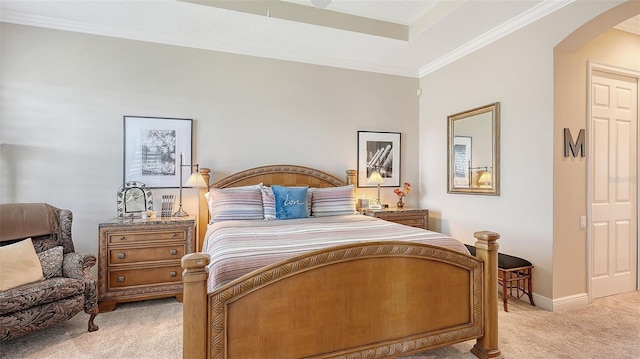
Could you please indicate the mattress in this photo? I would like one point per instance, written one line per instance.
(239, 247)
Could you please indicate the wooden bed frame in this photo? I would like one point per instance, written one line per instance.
(366, 300)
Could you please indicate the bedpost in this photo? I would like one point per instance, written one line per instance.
(203, 209)
(487, 251)
(194, 310)
(352, 176)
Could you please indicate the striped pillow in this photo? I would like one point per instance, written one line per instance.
(268, 203)
(333, 201)
(236, 203)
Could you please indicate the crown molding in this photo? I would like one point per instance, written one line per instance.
(497, 33)
(21, 18)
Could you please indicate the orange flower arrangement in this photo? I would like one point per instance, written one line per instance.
(403, 192)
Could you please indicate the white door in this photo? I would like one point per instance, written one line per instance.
(613, 160)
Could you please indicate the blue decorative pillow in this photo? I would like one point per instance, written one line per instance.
(291, 202)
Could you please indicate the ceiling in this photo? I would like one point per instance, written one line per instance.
(407, 38)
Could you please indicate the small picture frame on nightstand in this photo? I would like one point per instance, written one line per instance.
(375, 204)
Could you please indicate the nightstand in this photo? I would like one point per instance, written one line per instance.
(410, 217)
(139, 259)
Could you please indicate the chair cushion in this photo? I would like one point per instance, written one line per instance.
(38, 293)
(472, 249)
(505, 261)
(18, 323)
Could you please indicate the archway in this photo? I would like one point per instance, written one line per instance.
(570, 174)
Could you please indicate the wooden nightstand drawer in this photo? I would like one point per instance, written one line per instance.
(144, 276)
(146, 254)
(418, 218)
(128, 237)
(413, 221)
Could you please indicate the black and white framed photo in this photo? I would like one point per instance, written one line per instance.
(152, 148)
(379, 151)
(462, 161)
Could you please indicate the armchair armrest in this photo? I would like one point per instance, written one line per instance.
(77, 265)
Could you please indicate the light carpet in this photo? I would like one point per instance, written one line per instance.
(607, 328)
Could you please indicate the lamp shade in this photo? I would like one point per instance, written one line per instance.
(196, 180)
(485, 179)
(375, 178)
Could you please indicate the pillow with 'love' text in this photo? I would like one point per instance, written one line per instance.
(291, 202)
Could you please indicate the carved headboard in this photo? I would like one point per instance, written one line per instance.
(283, 175)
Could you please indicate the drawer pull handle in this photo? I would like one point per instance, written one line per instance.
(174, 252)
(121, 279)
(174, 235)
(121, 238)
(173, 274)
(121, 255)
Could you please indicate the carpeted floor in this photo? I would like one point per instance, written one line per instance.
(608, 328)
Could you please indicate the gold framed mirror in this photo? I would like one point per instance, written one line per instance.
(473, 150)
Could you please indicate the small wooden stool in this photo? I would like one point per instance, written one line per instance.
(513, 273)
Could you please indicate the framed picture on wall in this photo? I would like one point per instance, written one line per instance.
(152, 148)
(379, 151)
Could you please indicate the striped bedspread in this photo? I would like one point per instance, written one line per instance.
(239, 247)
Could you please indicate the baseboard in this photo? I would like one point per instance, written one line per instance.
(560, 304)
(542, 302)
(568, 302)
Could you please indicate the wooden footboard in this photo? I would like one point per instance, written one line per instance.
(366, 300)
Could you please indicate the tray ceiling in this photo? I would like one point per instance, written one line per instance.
(407, 38)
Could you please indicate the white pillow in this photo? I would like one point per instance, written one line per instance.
(19, 264)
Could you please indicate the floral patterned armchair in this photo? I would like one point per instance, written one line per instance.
(57, 297)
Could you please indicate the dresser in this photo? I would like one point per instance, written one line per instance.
(410, 217)
(139, 259)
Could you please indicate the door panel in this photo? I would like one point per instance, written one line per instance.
(613, 163)
(600, 240)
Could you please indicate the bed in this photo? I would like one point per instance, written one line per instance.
(379, 298)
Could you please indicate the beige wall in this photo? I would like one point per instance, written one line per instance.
(517, 71)
(614, 48)
(64, 95)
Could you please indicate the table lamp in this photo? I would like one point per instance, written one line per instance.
(375, 178)
(195, 180)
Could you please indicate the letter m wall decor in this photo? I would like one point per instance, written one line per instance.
(573, 147)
